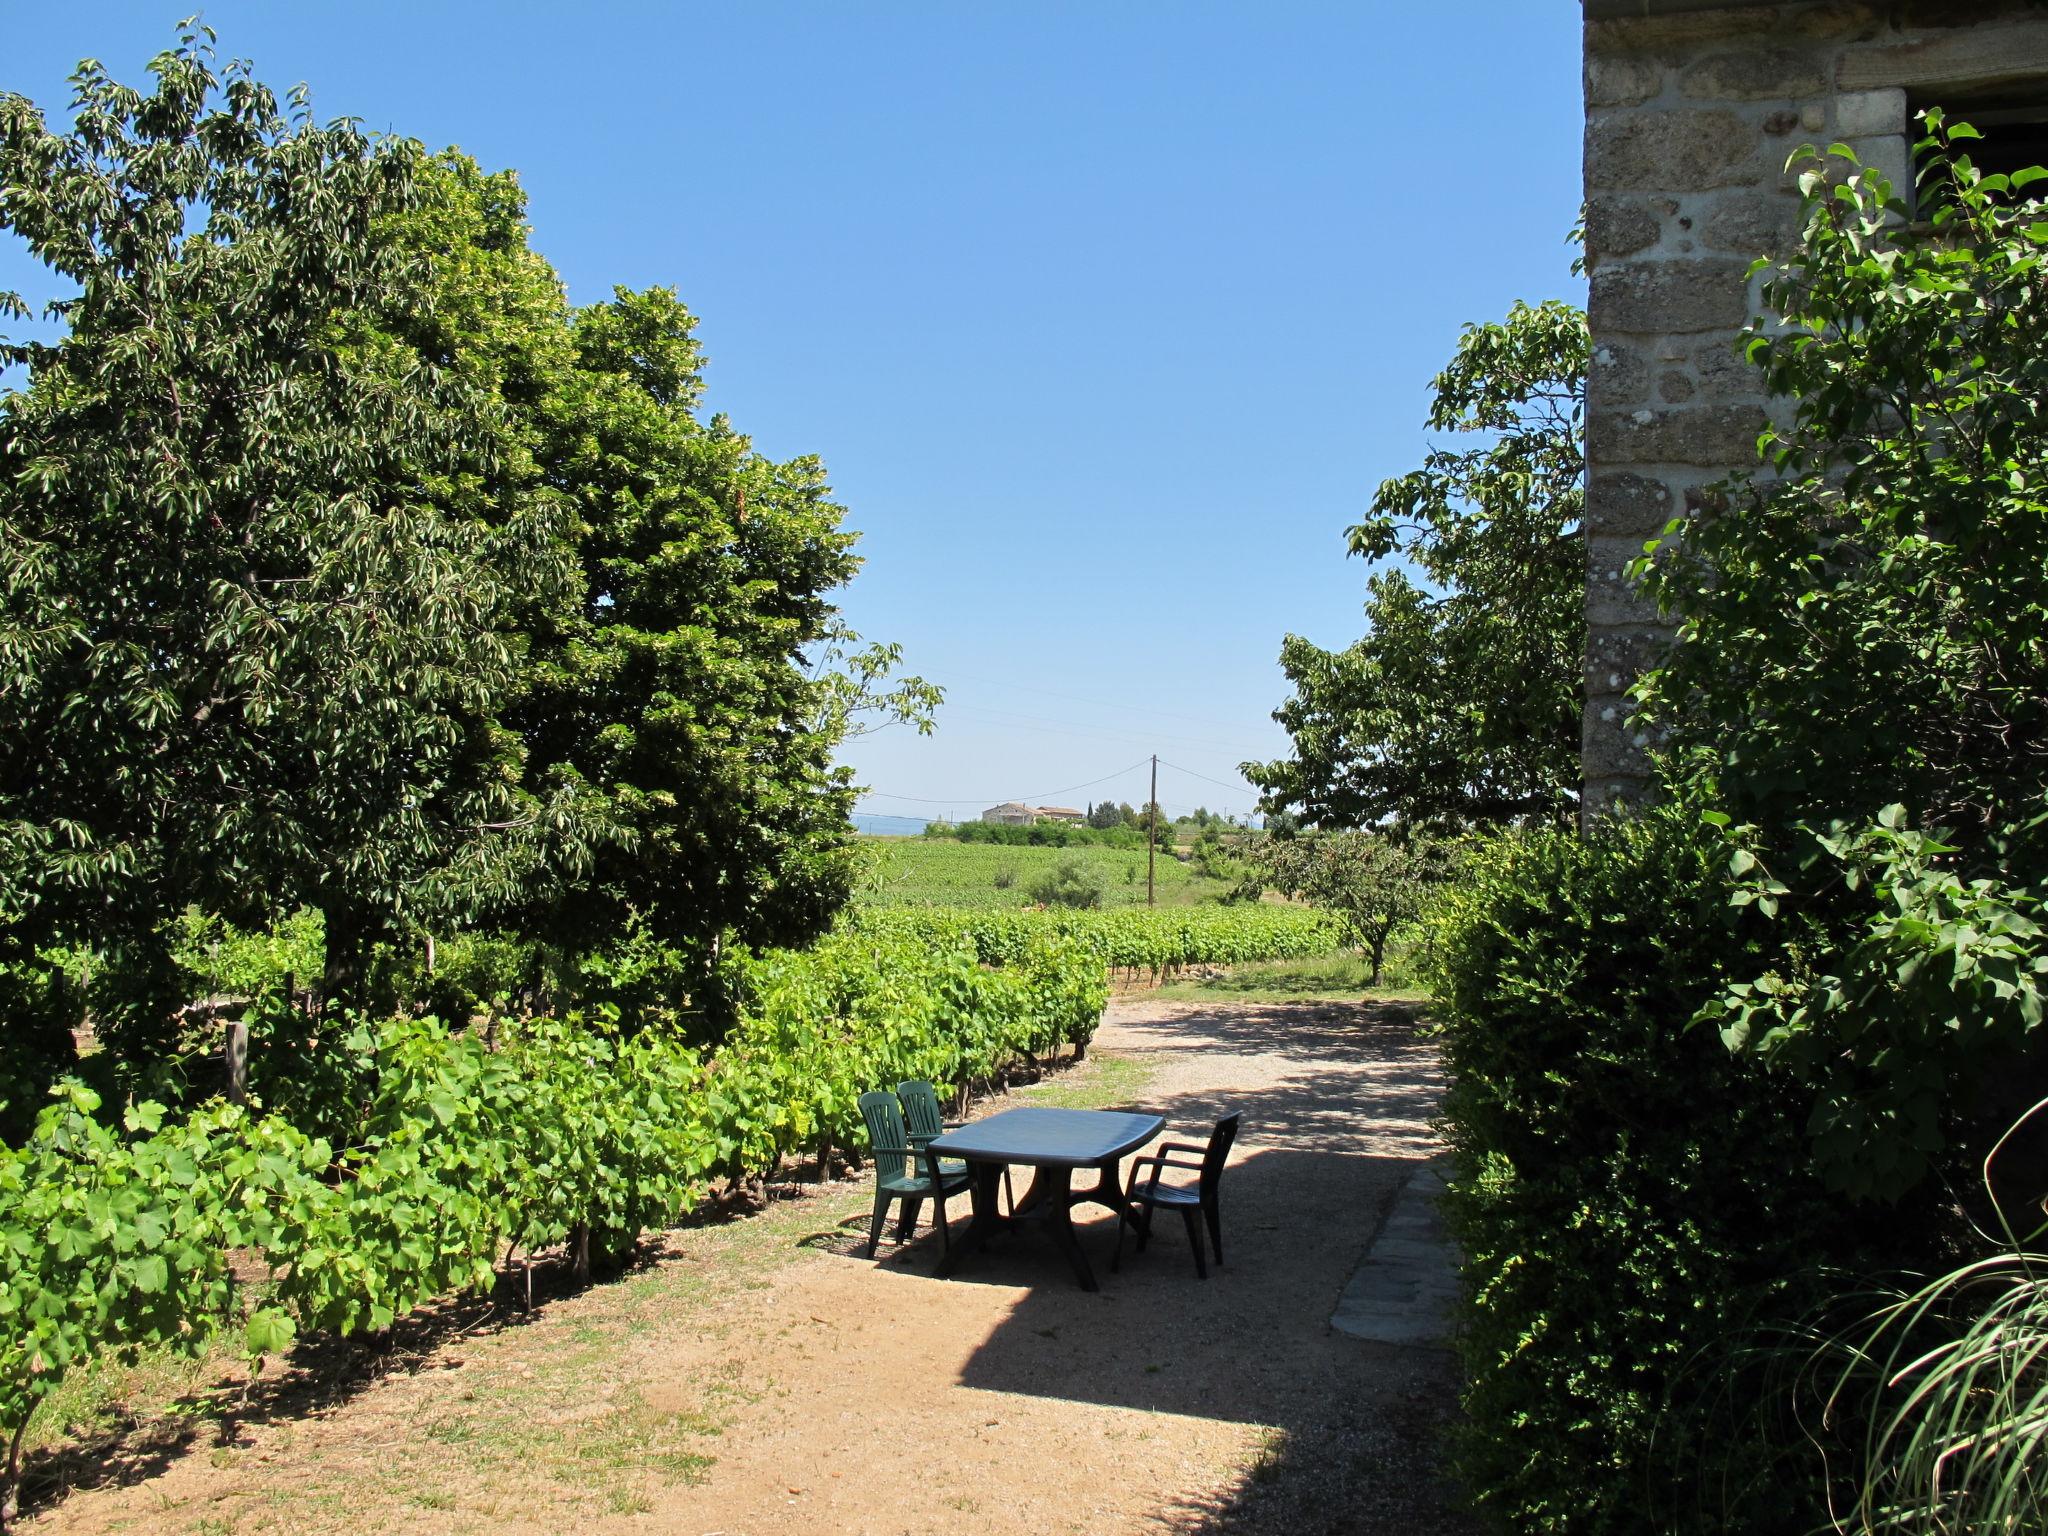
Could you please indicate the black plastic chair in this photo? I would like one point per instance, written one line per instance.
(1139, 1204)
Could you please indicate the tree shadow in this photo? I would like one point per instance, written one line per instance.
(1353, 1430)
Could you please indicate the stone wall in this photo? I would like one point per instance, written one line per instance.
(1691, 113)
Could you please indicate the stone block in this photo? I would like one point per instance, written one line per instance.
(1612, 600)
(1683, 150)
(1621, 80)
(1673, 34)
(1751, 223)
(1615, 658)
(1661, 297)
(1755, 74)
(1617, 375)
(1891, 155)
(1836, 21)
(1675, 386)
(1618, 227)
(1608, 748)
(1961, 58)
(1627, 505)
(1602, 798)
(1713, 436)
(1724, 374)
(1868, 114)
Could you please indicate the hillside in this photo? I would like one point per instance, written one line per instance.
(916, 871)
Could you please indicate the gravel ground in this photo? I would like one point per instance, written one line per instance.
(1009, 1401)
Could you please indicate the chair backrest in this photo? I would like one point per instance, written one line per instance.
(884, 1117)
(921, 1109)
(1218, 1153)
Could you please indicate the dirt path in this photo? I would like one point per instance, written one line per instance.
(764, 1377)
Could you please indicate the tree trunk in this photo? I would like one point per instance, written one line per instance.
(341, 984)
(10, 1479)
(1379, 953)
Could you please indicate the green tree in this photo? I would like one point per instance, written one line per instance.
(688, 694)
(1861, 667)
(1069, 883)
(248, 659)
(1105, 815)
(1373, 882)
(1461, 703)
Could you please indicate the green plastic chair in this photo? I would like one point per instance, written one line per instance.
(904, 1173)
(927, 1124)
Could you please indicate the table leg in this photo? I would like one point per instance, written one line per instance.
(1107, 1190)
(1059, 1201)
(988, 1178)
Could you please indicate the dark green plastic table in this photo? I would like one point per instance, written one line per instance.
(1055, 1143)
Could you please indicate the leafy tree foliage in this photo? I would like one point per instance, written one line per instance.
(1070, 883)
(1105, 814)
(688, 696)
(345, 566)
(1862, 667)
(249, 661)
(1373, 883)
(1461, 703)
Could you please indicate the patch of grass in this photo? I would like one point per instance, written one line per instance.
(915, 871)
(1103, 1081)
(99, 1397)
(1336, 978)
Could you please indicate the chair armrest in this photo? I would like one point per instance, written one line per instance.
(1160, 1163)
(1181, 1146)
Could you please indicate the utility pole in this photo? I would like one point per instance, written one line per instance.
(1152, 830)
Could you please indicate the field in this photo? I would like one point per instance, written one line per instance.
(918, 871)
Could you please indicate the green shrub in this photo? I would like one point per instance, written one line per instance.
(384, 1162)
(1635, 1204)
(1069, 883)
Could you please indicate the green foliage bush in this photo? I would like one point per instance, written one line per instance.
(1862, 668)
(1158, 939)
(1663, 1225)
(403, 1167)
(1069, 883)
(227, 961)
(1040, 834)
(1635, 1204)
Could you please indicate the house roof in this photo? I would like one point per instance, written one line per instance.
(1058, 810)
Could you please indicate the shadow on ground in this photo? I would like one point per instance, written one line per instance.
(1354, 1429)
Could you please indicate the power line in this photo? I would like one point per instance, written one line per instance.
(882, 794)
(1238, 788)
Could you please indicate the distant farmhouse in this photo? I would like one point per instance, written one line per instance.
(1014, 813)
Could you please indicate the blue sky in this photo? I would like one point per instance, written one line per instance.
(1106, 318)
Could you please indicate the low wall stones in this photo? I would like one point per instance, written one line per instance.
(1691, 114)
